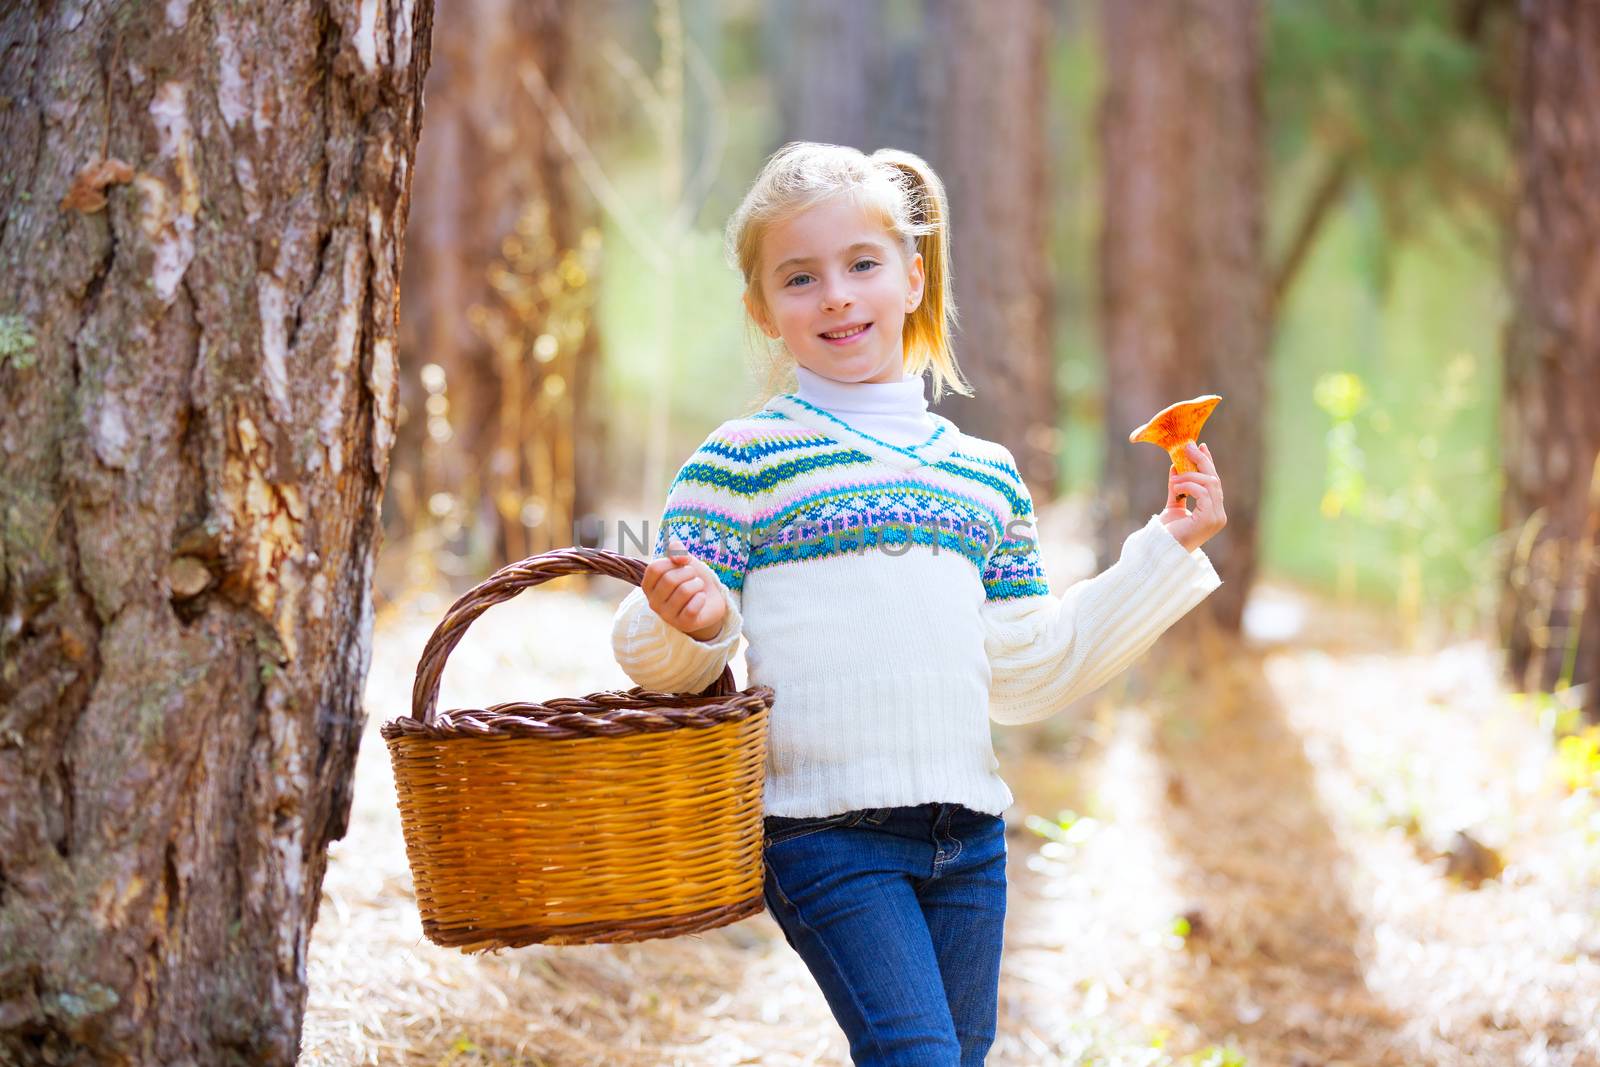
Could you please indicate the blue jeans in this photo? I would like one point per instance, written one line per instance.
(898, 913)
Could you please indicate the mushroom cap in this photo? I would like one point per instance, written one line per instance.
(1175, 425)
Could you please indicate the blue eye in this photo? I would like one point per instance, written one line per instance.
(859, 262)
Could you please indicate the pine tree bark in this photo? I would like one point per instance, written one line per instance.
(201, 238)
(1184, 283)
(1551, 503)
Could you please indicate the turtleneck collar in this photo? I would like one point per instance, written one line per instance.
(903, 398)
(889, 421)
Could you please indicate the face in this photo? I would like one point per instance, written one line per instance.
(827, 270)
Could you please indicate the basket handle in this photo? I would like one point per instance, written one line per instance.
(506, 583)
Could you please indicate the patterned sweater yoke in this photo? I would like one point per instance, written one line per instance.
(771, 490)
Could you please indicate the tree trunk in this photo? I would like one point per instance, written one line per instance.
(827, 58)
(1551, 505)
(1184, 288)
(197, 391)
(991, 150)
(498, 259)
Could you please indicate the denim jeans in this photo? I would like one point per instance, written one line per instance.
(898, 913)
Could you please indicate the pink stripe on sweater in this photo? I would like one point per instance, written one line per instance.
(718, 508)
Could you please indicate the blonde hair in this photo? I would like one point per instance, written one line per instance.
(907, 198)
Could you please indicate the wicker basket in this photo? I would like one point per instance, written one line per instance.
(620, 816)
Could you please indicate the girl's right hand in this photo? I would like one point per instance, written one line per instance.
(683, 591)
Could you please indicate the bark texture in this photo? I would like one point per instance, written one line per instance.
(1184, 285)
(1551, 506)
(203, 206)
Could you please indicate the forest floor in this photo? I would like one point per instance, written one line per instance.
(1251, 863)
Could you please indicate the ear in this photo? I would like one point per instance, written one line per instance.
(914, 276)
(755, 312)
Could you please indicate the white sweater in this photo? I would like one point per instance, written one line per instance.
(890, 589)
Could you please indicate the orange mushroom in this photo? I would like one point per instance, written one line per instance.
(1174, 427)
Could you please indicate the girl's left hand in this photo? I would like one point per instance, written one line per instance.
(1204, 487)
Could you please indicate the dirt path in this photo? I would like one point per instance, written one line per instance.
(1289, 804)
(1293, 806)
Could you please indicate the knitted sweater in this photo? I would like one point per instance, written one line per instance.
(894, 598)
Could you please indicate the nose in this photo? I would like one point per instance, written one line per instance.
(835, 294)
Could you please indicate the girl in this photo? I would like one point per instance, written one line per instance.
(880, 564)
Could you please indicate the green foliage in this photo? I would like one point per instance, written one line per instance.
(1212, 1056)
(1578, 760)
(1076, 70)
(1067, 828)
(1418, 501)
(1559, 713)
(1341, 395)
(681, 330)
(1108, 1048)
(1398, 490)
(1389, 336)
(1413, 91)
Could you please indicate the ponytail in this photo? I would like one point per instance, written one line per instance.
(928, 329)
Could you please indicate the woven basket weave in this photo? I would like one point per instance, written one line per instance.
(619, 816)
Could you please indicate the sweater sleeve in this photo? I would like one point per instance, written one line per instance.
(708, 509)
(1045, 652)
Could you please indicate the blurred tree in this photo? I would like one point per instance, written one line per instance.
(1551, 607)
(499, 448)
(828, 68)
(963, 86)
(675, 118)
(704, 120)
(1184, 297)
(204, 204)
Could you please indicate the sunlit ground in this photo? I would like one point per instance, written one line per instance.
(1260, 866)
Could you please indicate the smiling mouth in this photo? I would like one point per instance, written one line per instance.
(846, 335)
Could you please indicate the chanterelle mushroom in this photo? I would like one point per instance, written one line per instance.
(1174, 427)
